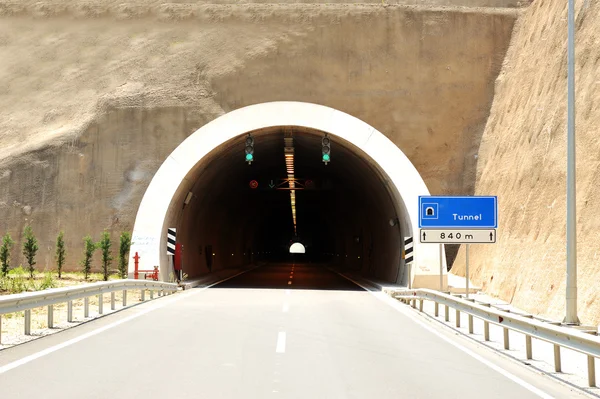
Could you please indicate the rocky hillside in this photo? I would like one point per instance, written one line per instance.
(522, 159)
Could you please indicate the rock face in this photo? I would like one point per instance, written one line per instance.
(522, 159)
(94, 96)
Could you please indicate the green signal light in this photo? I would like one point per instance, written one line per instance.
(326, 157)
(249, 157)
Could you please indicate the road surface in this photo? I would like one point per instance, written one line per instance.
(278, 331)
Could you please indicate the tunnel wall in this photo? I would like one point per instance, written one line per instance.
(93, 101)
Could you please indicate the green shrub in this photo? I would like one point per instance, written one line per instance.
(48, 281)
(60, 253)
(124, 247)
(88, 252)
(7, 244)
(18, 282)
(105, 245)
(30, 248)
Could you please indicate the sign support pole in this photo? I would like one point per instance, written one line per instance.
(441, 268)
(467, 270)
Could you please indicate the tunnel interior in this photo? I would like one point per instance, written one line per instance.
(241, 213)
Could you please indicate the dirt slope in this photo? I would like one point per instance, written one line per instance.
(522, 159)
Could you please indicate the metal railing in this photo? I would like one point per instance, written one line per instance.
(565, 337)
(30, 300)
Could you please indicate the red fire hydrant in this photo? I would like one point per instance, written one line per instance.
(136, 259)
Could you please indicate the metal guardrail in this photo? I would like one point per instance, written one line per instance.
(565, 337)
(30, 300)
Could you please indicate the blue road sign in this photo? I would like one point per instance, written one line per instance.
(458, 212)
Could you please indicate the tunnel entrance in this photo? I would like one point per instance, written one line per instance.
(251, 205)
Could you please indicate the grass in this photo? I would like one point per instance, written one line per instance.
(18, 280)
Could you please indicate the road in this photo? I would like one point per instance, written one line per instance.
(279, 331)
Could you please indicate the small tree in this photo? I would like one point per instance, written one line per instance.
(7, 244)
(105, 245)
(88, 252)
(60, 253)
(30, 248)
(124, 247)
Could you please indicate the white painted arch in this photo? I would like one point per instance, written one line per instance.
(403, 180)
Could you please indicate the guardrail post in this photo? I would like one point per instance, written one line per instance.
(100, 304)
(70, 311)
(436, 309)
(0, 328)
(28, 322)
(124, 298)
(86, 307)
(591, 371)
(112, 301)
(447, 313)
(486, 325)
(506, 339)
(143, 295)
(151, 293)
(413, 303)
(457, 318)
(528, 349)
(486, 330)
(557, 365)
(420, 305)
(470, 316)
(50, 316)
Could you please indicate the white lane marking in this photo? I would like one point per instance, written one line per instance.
(286, 307)
(399, 307)
(280, 342)
(47, 351)
(289, 282)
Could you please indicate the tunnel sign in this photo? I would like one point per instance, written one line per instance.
(460, 236)
(475, 212)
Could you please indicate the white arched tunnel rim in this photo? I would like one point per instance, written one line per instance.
(162, 200)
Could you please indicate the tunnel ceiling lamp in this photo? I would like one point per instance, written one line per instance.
(288, 152)
(394, 221)
(249, 149)
(188, 198)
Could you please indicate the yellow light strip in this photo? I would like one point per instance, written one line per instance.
(289, 165)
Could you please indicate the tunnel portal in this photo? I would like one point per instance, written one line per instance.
(247, 186)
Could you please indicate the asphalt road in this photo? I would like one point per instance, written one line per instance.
(280, 331)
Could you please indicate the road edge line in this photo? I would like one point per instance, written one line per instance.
(155, 306)
(398, 307)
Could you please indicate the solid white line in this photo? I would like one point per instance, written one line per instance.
(47, 351)
(399, 307)
(280, 342)
(286, 307)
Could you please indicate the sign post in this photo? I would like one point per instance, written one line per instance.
(458, 220)
(408, 258)
(441, 268)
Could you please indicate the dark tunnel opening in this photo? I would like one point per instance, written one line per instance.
(242, 213)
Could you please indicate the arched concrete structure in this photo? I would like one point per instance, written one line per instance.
(167, 191)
